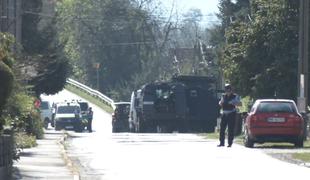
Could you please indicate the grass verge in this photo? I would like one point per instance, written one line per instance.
(305, 157)
(90, 98)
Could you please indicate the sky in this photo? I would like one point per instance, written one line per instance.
(207, 7)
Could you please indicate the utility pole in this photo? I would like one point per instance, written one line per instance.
(303, 56)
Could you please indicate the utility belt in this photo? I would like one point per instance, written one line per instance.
(226, 112)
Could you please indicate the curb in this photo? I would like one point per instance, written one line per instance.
(68, 162)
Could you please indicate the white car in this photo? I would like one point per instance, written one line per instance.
(68, 116)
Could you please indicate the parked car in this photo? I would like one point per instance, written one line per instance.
(46, 112)
(68, 116)
(84, 108)
(274, 120)
(120, 117)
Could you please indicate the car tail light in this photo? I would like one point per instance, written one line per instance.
(296, 118)
(257, 117)
(253, 118)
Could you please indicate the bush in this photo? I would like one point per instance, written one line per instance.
(23, 140)
(6, 79)
(21, 113)
(34, 125)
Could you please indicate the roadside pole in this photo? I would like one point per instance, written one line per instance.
(303, 55)
(302, 99)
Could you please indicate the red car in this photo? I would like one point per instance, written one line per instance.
(274, 120)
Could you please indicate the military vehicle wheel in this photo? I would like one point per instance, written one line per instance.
(57, 127)
(46, 121)
(79, 128)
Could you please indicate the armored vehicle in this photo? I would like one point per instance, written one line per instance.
(201, 102)
(186, 103)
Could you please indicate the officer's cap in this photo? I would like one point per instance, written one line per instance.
(227, 86)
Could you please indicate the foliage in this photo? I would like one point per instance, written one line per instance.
(261, 48)
(43, 51)
(21, 113)
(6, 74)
(247, 103)
(23, 140)
(123, 36)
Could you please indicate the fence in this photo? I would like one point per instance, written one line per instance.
(105, 99)
(6, 156)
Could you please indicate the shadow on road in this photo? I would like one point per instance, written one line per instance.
(279, 146)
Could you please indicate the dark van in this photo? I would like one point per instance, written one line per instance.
(120, 117)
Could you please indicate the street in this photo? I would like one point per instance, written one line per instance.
(119, 156)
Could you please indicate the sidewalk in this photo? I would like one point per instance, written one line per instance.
(44, 162)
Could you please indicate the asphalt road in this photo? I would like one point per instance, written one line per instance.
(119, 156)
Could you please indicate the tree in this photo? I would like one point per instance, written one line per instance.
(122, 35)
(43, 51)
(6, 74)
(260, 57)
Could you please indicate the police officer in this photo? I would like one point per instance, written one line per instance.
(229, 101)
(90, 119)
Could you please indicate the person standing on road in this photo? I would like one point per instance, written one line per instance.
(229, 102)
(90, 119)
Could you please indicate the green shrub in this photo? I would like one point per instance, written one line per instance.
(20, 112)
(34, 125)
(6, 79)
(23, 140)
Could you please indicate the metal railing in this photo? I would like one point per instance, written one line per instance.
(105, 99)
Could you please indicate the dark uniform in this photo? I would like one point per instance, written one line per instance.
(229, 101)
(90, 119)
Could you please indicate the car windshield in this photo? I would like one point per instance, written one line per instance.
(68, 109)
(269, 107)
(44, 105)
(122, 108)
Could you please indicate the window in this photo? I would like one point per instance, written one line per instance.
(44, 105)
(280, 107)
(68, 109)
(84, 106)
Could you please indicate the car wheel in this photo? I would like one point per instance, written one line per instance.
(114, 130)
(299, 143)
(46, 121)
(79, 128)
(57, 127)
(248, 142)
